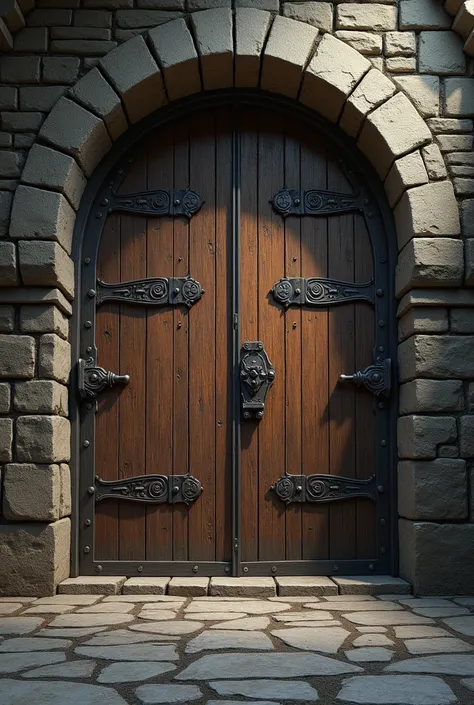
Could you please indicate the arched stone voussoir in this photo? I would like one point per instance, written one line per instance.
(97, 95)
(333, 72)
(251, 29)
(174, 47)
(42, 215)
(374, 89)
(46, 167)
(213, 31)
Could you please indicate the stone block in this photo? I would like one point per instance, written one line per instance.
(98, 96)
(12, 15)
(40, 98)
(399, 43)
(423, 92)
(437, 558)
(42, 215)
(466, 436)
(52, 169)
(213, 31)
(292, 586)
(433, 490)
(459, 97)
(421, 396)
(467, 217)
(429, 262)
(423, 319)
(251, 29)
(77, 131)
(177, 56)
(401, 64)
(271, 5)
(11, 164)
(390, 131)
(448, 451)
(145, 586)
(93, 18)
(455, 143)
(434, 162)
(5, 394)
(188, 587)
(7, 319)
(40, 396)
(43, 318)
(82, 47)
(462, 320)
(35, 557)
(44, 263)
(331, 75)
(463, 187)
(8, 98)
(441, 53)
(92, 585)
(464, 21)
(419, 436)
(54, 359)
(6, 39)
(42, 439)
(372, 585)
(243, 587)
(207, 4)
(22, 122)
(50, 18)
(367, 43)
(6, 440)
(36, 295)
(31, 492)
(436, 357)
(20, 69)
(136, 19)
(136, 77)
(423, 14)
(373, 16)
(17, 356)
(8, 264)
(60, 69)
(288, 49)
(449, 125)
(469, 257)
(65, 498)
(85, 33)
(318, 14)
(428, 210)
(406, 172)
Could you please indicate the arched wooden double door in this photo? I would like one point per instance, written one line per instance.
(233, 268)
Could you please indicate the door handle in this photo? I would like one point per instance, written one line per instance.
(376, 378)
(92, 380)
(256, 377)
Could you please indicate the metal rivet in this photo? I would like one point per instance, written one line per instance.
(259, 414)
(297, 201)
(382, 549)
(297, 291)
(380, 292)
(104, 202)
(99, 214)
(140, 569)
(86, 444)
(176, 291)
(382, 522)
(381, 348)
(366, 202)
(370, 214)
(381, 323)
(98, 569)
(335, 568)
(227, 569)
(195, 569)
(131, 160)
(260, 346)
(91, 490)
(380, 489)
(177, 202)
(87, 260)
(120, 172)
(246, 414)
(295, 259)
(381, 405)
(274, 569)
(246, 570)
(180, 259)
(371, 566)
(88, 324)
(383, 260)
(179, 324)
(383, 443)
(87, 549)
(87, 522)
(294, 325)
(89, 407)
(91, 293)
(89, 348)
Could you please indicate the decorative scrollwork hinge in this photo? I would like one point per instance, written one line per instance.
(155, 203)
(155, 291)
(256, 378)
(149, 489)
(317, 291)
(322, 488)
(92, 380)
(315, 202)
(376, 378)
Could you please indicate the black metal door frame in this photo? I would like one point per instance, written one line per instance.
(89, 224)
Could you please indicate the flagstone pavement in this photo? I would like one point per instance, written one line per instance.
(147, 649)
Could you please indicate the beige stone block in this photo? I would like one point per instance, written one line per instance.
(431, 395)
(42, 439)
(6, 440)
(423, 319)
(367, 43)
(372, 91)
(243, 587)
(17, 356)
(401, 64)
(42, 215)
(8, 264)
(77, 131)
(213, 31)
(419, 436)
(464, 21)
(65, 498)
(469, 261)
(406, 172)
(449, 125)
(44, 318)
(423, 92)
(429, 262)
(54, 358)
(35, 295)
(40, 396)
(392, 130)
(44, 263)
(177, 56)
(459, 97)
(4, 398)
(371, 585)
(436, 357)
(399, 43)
(296, 585)
(188, 587)
(441, 53)
(463, 187)
(455, 143)
(92, 585)
(331, 75)
(97, 95)
(55, 170)
(434, 162)
(466, 436)
(35, 557)
(145, 586)
(318, 14)
(372, 16)
(288, 49)
(422, 490)
(429, 210)
(31, 492)
(251, 29)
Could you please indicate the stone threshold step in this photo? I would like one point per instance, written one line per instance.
(236, 587)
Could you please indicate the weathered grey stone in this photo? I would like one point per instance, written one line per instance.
(59, 69)
(369, 654)
(229, 605)
(463, 625)
(135, 19)
(167, 693)
(8, 264)
(406, 172)
(42, 215)
(317, 14)
(54, 357)
(372, 640)
(22, 122)
(31, 492)
(386, 619)
(92, 585)
(436, 357)
(124, 636)
(72, 669)
(145, 586)
(40, 98)
(45, 263)
(434, 162)
(331, 75)
(189, 587)
(287, 51)
(366, 43)
(418, 436)
(467, 217)
(455, 143)
(223, 639)
(423, 319)
(34, 559)
(449, 125)
(347, 605)
(462, 320)
(241, 587)
(449, 664)
(264, 689)
(42, 439)
(17, 356)
(8, 98)
(449, 611)
(427, 210)
(131, 672)
(52, 692)
(19, 625)
(429, 395)
(373, 16)
(399, 43)
(422, 490)
(327, 640)
(6, 440)
(213, 33)
(82, 47)
(459, 97)
(49, 609)
(423, 92)
(11, 164)
(97, 95)
(441, 53)
(251, 29)
(463, 187)
(95, 18)
(4, 398)
(371, 585)
(469, 262)
(106, 607)
(419, 632)
(21, 644)
(416, 14)
(305, 585)
(174, 47)
(44, 318)
(466, 436)
(411, 690)
(236, 621)
(176, 627)
(372, 91)
(20, 69)
(428, 262)
(7, 319)
(128, 652)
(401, 64)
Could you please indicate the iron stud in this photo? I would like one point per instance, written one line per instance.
(98, 569)
(87, 522)
(140, 569)
(87, 549)
(88, 324)
(371, 566)
(246, 570)
(91, 293)
(86, 444)
(91, 490)
(195, 569)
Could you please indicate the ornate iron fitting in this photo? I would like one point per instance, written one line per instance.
(316, 291)
(155, 203)
(150, 489)
(256, 378)
(322, 488)
(92, 380)
(376, 378)
(156, 291)
(315, 202)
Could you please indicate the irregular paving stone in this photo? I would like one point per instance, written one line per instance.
(248, 702)
(386, 618)
(441, 611)
(23, 600)
(18, 692)
(156, 615)
(448, 664)
(248, 624)
(372, 630)
(50, 609)
(371, 584)
(464, 600)
(372, 640)
(444, 645)
(71, 669)
(303, 616)
(146, 598)
(155, 606)
(10, 663)
(167, 693)
(295, 599)
(134, 671)
(256, 665)
(33, 644)
(419, 632)
(9, 608)
(109, 608)
(90, 620)
(71, 633)
(213, 641)
(327, 640)
(357, 606)
(19, 625)
(394, 690)
(352, 598)
(123, 636)
(282, 690)
(312, 624)
(463, 625)
(209, 617)
(178, 627)
(132, 652)
(369, 654)
(415, 602)
(249, 606)
(468, 683)
(79, 600)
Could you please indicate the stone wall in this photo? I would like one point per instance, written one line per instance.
(396, 77)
